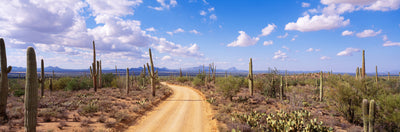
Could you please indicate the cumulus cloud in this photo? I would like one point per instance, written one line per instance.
(150, 29)
(213, 17)
(347, 33)
(317, 22)
(243, 40)
(211, 9)
(304, 4)
(267, 30)
(167, 57)
(385, 38)
(283, 36)
(179, 30)
(164, 46)
(280, 55)
(348, 52)
(390, 43)
(368, 33)
(375, 5)
(310, 50)
(287, 48)
(266, 43)
(164, 5)
(294, 37)
(194, 31)
(325, 58)
(203, 13)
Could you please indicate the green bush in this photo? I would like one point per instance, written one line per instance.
(182, 79)
(229, 87)
(197, 82)
(107, 79)
(61, 83)
(78, 84)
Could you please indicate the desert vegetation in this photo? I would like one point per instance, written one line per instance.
(278, 101)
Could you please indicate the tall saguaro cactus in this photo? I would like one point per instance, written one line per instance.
(42, 79)
(363, 65)
(100, 79)
(250, 77)
(365, 114)
(281, 89)
(357, 72)
(4, 82)
(93, 71)
(371, 116)
(127, 80)
(31, 92)
(152, 75)
(321, 87)
(376, 76)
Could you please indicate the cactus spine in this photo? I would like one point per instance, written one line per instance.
(4, 82)
(41, 80)
(363, 65)
(365, 114)
(250, 77)
(127, 81)
(281, 89)
(31, 92)
(321, 87)
(93, 71)
(152, 75)
(371, 115)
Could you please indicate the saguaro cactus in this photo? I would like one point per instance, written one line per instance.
(363, 65)
(100, 79)
(152, 75)
(93, 71)
(180, 72)
(4, 82)
(357, 72)
(376, 76)
(51, 84)
(250, 77)
(388, 76)
(365, 114)
(127, 80)
(31, 92)
(281, 89)
(321, 86)
(42, 79)
(371, 115)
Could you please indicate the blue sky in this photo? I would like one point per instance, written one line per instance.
(293, 35)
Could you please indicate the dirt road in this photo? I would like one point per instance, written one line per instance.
(185, 111)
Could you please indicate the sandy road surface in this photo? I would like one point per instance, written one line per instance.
(184, 111)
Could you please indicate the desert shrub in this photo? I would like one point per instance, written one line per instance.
(88, 109)
(229, 87)
(182, 79)
(197, 82)
(107, 79)
(17, 87)
(61, 83)
(78, 84)
(388, 116)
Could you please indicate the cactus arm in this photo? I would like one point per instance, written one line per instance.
(9, 69)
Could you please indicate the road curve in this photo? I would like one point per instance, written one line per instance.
(184, 111)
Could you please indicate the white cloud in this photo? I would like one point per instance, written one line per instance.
(325, 58)
(170, 33)
(267, 30)
(385, 38)
(203, 13)
(390, 43)
(304, 4)
(317, 22)
(243, 40)
(283, 36)
(213, 17)
(348, 52)
(294, 37)
(167, 57)
(165, 46)
(194, 31)
(355, 2)
(368, 33)
(280, 55)
(150, 29)
(266, 43)
(337, 9)
(211, 9)
(112, 8)
(347, 33)
(384, 5)
(310, 50)
(287, 48)
(179, 30)
(164, 5)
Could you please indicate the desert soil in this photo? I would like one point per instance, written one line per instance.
(186, 110)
